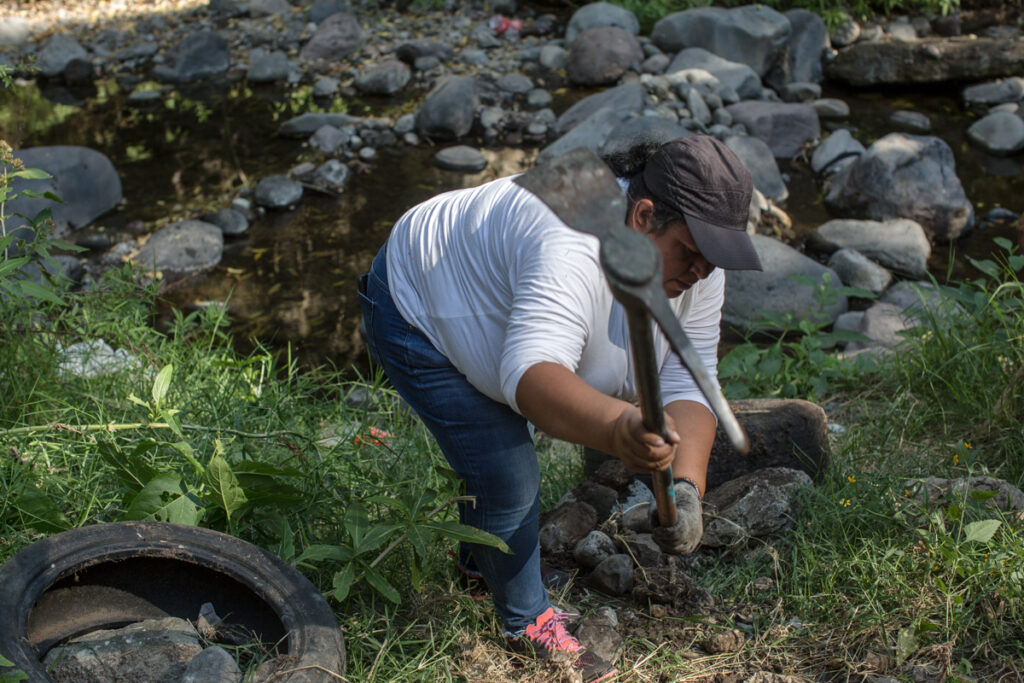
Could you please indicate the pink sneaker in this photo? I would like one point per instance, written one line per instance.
(548, 635)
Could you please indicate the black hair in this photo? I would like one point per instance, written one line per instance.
(629, 164)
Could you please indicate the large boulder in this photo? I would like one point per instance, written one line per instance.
(641, 130)
(966, 59)
(802, 53)
(899, 244)
(599, 56)
(197, 56)
(592, 132)
(752, 506)
(784, 126)
(752, 34)
(56, 53)
(904, 176)
(385, 78)
(598, 14)
(735, 75)
(337, 36)
(624, 100)
(750, 293)
(757, 158)
(448, 111)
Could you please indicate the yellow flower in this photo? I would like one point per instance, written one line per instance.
(845, 502)
(956, 458)
(967, 445)
(851, 479)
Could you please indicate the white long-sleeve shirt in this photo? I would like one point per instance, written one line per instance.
(498, 283)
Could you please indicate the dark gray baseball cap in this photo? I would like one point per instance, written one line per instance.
(701, 178)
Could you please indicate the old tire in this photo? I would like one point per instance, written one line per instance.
(108, 575)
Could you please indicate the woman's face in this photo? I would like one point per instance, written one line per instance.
(681, 261)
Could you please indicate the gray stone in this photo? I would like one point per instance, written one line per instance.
(789, 433)
(641, 130)
(461, 158)
(367, 154)
(644, 551)
(699, 110)
(597, 632)
(597, 15)
(750, 294)
(920, 300)
(212, 665)
(637, 517)
(449, 108)
(995, 92)
(268, 68)
(899, 244)
(337, 36)
(277, 192)
(623, 100)
(197, 56)
(326, 139)
(593, 549)
(538, 98)
(385, 78)
(901, 31)
(306, 124)
(566, 525)
(800, 91)
(848, 322)
(515, 83)
(801, 61)
(321, 9)
(183, 247)
(325, 86)
(14, 31)
(411, 50)
(883, 325)
(752, 506)
(156, 650)
(750, 34)
(614, 575)
(1000, 133)
(845, 32)
(230, 221)
(599, 56)
(932, 60)
(932, 491)
(784, 127)
(831, 108)
(405, 124)
(553, 57)
(735, 75)
(56, 52)
(911, 120)
(591, 133)
(758, 159)
(904, 176)
(857, 270)
(600, 497)
(333, 174)
(655, 64)
(837, 150)
(266, 8)
(94, 358)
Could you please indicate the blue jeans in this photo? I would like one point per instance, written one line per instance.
(487, 444)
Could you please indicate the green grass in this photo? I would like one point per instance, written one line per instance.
(870, 577)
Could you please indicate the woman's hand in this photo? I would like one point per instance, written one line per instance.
(640, 450)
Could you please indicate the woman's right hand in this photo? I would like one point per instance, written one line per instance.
(640, 450)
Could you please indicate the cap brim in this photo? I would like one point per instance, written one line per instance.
(724, 247)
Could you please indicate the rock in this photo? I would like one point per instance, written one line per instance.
(306, 124)
(845, 32)
(623, 100)
(321, 9)
(230, 221)
(750, 34)
(932, 491)
(638, 130)
(266, 8)
(597, 15)
(449, 109)
(197, 56)
(333, 174)
(182, 247)
(670, 585)
(800, 91)
(790, 433)
(784, 127)
(920, 300)
(637, 518)
(79, 71)
(515, 84)
(735, 75)
(911, 120)
(1000, 133)
(614, 575)
(591, 133)
(933, 60)
(857, 270)
(325, 86)
(837, 150)
(411, 50)
(156, 650)
(553, 57)
(883, 324)
(327, 138)
(731, 640)
(904, 176)
(994, 92)
(94, 358)
(385, 78)
(593, 549)
(538, 98)
(599, 56)
(758, 159)
(655, 64)
(699, 111)
(212, 665)
(84, 179)
(597, 633)
(461, 158)
(14, 31)
(337, 36)
(831, 108)
(267, 68)
(807, 42)
(277, 192)
(754, 505)
(644, 551)
(897, 244)
(750, 294)
(566, 525)
(56, 53)
(901, 31)
(600, 497)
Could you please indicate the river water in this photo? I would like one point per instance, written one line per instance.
(290, 281)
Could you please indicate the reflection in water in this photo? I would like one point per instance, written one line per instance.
(291, 279)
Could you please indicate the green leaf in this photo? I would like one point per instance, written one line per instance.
(979, 496)
(389, 502)
(30, 174)
(464, 533)
(256, 467)
(375, 537)
(129, 468)
(377, 580)
(343, 582)
(171, 418)
(419, 540)
(163, 500)
(320, 552)
(356, 522)
(162, 383)
(906, 644)
(226, 493)
(37, 291)
(41, 512)
(981, 532)
(263, 490)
